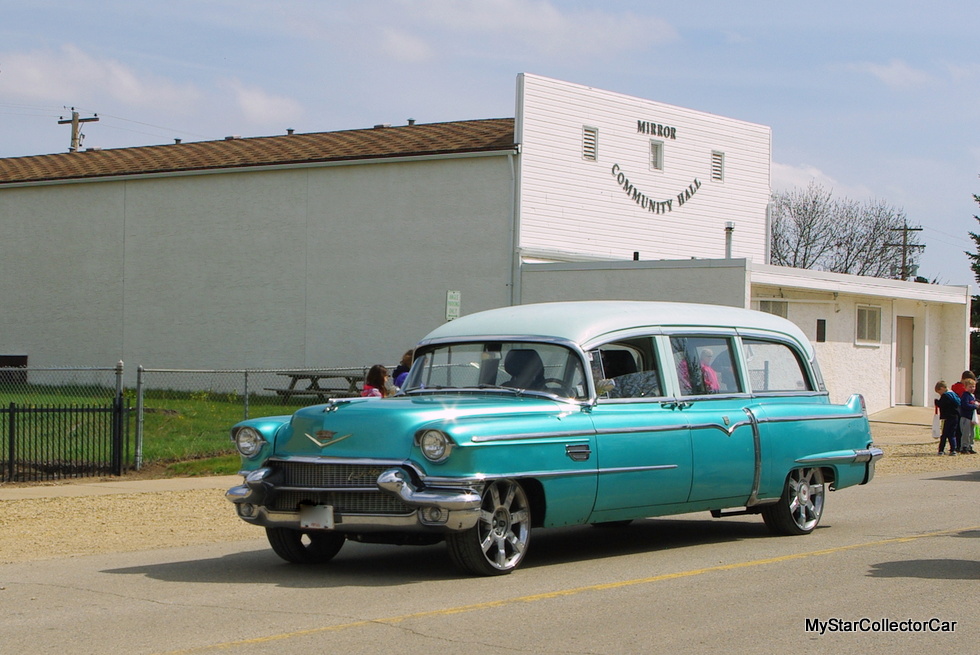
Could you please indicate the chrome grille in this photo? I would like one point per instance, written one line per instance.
(343, 502)
(307, 474)
(335, 485)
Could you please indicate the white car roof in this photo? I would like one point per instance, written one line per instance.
(583, 322)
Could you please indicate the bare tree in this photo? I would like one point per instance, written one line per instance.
(811, 229)
(803, 227)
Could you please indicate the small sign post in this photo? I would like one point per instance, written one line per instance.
(452, 305)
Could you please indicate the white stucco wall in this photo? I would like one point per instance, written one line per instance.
(940, 316)
(716, 282)
(326, 266)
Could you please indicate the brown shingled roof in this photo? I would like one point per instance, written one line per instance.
(429, 139)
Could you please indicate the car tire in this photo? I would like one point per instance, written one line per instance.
(299, 547)
(498, 543)
(801, 504)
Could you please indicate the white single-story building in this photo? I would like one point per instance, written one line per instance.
(344, 248)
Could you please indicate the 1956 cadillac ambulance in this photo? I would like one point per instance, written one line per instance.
(558, 414)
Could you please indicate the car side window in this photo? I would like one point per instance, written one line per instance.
(774, 366)
(629, 369)
(704, 365)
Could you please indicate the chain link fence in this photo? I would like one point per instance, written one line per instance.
(180, 414)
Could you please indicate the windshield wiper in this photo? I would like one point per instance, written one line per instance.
(513, 390)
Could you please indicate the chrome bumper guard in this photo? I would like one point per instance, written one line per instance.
(871, 455)
(441, 509)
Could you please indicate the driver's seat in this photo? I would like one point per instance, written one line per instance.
(525, 368)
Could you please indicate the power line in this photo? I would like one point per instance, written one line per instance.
(906, 247)
(158, 127)
(75, 122)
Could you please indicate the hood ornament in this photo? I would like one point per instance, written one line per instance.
(326, 438)
(333, 405)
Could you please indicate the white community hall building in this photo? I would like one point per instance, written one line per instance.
(345, 248)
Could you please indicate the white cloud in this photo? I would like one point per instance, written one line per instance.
(786, 177)
(70, 75)
(259, 107)
(540, 26)
(896, 73)
(405, 47)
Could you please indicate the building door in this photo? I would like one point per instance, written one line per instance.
(903, 360)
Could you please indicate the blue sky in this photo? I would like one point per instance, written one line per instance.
(871, 99)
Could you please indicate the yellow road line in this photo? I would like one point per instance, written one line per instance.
(561, 592)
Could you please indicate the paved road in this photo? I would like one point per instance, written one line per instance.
(904, 547)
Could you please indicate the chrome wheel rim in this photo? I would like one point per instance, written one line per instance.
(806, 494)
(505, 525)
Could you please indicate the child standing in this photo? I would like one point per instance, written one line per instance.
(949, 413)
(958, 387)
(968, 407)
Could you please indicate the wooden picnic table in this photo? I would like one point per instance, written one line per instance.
(323, 383)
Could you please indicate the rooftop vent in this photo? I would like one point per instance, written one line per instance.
(381, 126)
(289, 131)
(411, 121)
(233, 137)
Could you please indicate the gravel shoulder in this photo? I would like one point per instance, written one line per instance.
(107, 518)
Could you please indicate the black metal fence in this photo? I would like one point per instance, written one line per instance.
(64, 421)
(64, 441)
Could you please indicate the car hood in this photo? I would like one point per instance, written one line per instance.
(385, 429)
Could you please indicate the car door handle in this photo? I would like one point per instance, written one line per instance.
(680, 404)
(578, 452)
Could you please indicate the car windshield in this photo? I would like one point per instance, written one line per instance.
(508, 366)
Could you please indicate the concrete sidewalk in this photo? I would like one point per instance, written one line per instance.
(904, 416)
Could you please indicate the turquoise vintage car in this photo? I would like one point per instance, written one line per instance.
(558, 414)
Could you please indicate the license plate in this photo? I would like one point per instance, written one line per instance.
(316, 517)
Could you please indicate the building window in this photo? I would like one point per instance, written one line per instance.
(868, 324)
(717, 166)
(590, 143)
(656, 155)
(821, 330)
(777, 307)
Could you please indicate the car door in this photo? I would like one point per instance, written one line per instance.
(642, 441)
(712, 398)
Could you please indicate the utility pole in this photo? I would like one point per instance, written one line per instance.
(76, 135)
(905, 246)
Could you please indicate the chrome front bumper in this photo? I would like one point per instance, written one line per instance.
(434, 508)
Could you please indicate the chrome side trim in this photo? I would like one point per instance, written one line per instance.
(730, 430)
(578, 434)
(634, 469)
(819, 417)
(857, 457)
(644, 428)
(757, 444)
(483, 479)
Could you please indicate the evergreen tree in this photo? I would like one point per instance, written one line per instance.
(975, 305)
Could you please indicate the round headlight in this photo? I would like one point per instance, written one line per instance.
(248, 441)
(435, 445)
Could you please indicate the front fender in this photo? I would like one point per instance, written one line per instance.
(269, 427)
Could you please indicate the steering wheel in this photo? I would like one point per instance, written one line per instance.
(560, 384)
